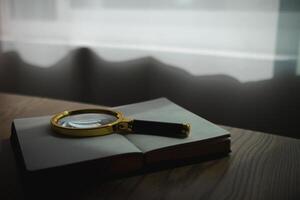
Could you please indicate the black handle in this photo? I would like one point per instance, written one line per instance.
(161, 128)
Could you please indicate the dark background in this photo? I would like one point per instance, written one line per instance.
(82, 75)
(269, 105)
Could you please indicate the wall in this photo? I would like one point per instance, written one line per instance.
(268, 105)
(233, 62)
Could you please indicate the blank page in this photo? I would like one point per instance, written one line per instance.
(42, 148)
(166, 111)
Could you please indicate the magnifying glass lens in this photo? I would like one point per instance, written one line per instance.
(86, 120)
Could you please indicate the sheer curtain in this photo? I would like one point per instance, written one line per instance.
(204, 37)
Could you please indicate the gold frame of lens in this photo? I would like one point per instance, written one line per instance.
(120, 124)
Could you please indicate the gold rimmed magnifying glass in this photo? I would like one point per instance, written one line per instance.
(97, 122)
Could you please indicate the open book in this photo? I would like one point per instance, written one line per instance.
(40, 149)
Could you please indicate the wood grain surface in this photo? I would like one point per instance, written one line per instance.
(261, 166)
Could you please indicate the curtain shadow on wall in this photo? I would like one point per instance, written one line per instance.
(269, 105)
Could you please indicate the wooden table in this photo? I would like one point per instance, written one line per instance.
(261, 166)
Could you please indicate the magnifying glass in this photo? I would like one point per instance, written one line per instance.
(97, 122)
